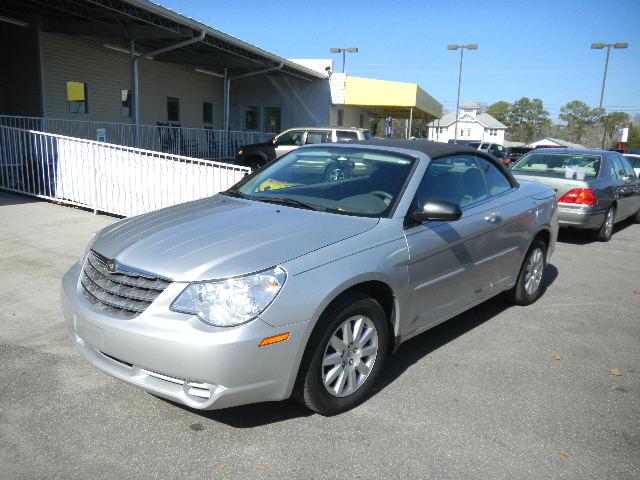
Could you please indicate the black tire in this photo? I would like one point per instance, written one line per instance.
(309, 389)
(519, 295)
(604, 233)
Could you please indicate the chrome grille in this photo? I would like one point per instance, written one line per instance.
(125, 292)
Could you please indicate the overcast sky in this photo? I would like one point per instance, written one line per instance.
(527, 48)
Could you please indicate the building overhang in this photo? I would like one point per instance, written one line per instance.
(386, 98)
(153, 28)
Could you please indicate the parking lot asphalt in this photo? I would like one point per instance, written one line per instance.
(498, 392)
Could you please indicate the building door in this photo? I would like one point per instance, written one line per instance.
(271, 119)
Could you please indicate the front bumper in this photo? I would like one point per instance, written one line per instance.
(579, 216)
(176, 356)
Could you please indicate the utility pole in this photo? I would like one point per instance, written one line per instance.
(462, 48)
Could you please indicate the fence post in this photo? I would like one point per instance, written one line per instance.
(94, 176)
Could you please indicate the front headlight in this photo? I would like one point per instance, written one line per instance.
(230, 302)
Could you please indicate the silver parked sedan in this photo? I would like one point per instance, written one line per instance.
(595, 188)
(292, 283)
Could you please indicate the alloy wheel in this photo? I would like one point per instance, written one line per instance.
(609, 223)
(535, 269)
(349, 356)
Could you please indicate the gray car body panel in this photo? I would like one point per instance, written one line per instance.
(324, 255)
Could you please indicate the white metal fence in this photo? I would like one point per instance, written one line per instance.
(204, 143)
(106, 177)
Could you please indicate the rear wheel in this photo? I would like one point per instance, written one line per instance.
(344, 356)
(606, 230)
(528, 287)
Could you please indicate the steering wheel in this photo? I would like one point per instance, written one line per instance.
(384, 196)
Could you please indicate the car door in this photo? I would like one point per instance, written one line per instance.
(513, 212)
(451, 263)
(633, 185)
(288, 141)
(623, 187)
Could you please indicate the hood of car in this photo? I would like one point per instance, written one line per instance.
(221, 236)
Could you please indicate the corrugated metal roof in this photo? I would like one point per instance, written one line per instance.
(197, 25)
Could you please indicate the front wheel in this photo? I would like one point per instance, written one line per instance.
(344, 356)
(528, 287)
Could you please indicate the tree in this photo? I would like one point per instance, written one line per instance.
(579, 117)
(611, 123)
(499, 111)
(633, 142)
(527, 118)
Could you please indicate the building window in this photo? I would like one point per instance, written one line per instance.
(173, 109)
(271, 119)
(125, 103)
(340, 117)
(77, 98)
(252, 118)
(207, 112)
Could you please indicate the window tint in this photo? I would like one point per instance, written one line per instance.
(456, 179)
(558, 164)
(173, 109)
(346, 136)
(318, 137)
(627, 166)
(293, 137)
(496, 181)
(617, 170)
(77, 101)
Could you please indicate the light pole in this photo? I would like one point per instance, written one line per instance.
(344, 52)
(600, 46)
(470, 46)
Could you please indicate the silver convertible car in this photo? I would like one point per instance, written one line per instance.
(295, 283)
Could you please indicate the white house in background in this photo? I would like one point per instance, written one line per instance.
(472, 126)
(554, 142)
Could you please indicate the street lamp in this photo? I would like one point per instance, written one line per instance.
(600, 46)
(344, 52)
(470, 46)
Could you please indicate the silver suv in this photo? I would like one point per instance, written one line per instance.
(292, 284)
(257, 155)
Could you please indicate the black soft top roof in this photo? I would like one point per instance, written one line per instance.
(438, 149)
(432, 149)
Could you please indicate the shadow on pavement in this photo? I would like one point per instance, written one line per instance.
(7, 198)
(576, 236)
(248, 416)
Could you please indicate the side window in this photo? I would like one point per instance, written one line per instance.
(291, 138)
(496, 181)
(616, 169)
(346, 136)
(317, 137)
(627, 167)
(457, 179)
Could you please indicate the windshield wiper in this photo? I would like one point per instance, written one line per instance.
(234, 192)
(291, 202)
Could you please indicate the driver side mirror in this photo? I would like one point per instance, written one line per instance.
(437, 210)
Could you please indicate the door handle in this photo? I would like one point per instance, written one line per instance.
(492, 217)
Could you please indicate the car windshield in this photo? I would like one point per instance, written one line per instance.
(559, 164)
(634, 160)
(473, 144)
(353, 181)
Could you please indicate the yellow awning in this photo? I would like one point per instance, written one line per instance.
(396, 98)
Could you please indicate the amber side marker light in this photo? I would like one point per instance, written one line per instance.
(281, 337)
